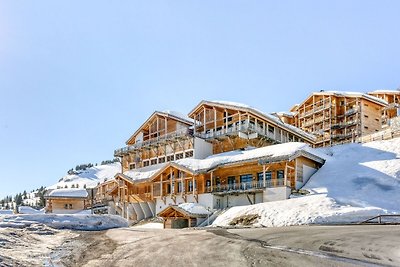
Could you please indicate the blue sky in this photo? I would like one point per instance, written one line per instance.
(78, 77)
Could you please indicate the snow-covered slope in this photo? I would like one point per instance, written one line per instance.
(358, 181)
(90, 177)
(361, 175)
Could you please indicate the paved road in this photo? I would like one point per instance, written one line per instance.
(287, 246)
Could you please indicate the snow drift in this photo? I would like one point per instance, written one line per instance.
(73, 222)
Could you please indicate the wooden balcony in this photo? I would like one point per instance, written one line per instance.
(254, 186)
(235, 129)
(161, 140)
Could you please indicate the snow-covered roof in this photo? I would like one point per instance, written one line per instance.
(352, 94)
(68, 193)
(286, 151)
(187, 209)
(144, 173)
(168, 113)
(259, 113)
(178, 115)
(270, 152)
(194, 208)
(383, 91)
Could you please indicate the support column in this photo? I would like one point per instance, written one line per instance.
(204, 120)
(170, 178)
(161, 185)
(264, 177)
(212, 180)
(285, 175)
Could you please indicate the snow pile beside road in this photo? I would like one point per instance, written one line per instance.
(313, 209)
(29, 210)
(73, 222)
(5, 212)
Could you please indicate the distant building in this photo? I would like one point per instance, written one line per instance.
(392, 97)
(66, 201)
(339, 117)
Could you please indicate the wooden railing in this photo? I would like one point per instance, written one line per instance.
(246, 186)
(153, 141)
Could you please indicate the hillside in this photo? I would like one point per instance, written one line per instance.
(89, 177)
(357, 181)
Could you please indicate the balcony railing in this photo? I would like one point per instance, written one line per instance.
(185, 132)
(235, 128)
(247, 186)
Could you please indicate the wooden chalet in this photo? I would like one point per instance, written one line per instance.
(176, 217)
(165, 136)
(66, 201)
(339, 117)
(230, 126)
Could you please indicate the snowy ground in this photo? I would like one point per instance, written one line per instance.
(85, 222)
(90, 177)
(357, 181)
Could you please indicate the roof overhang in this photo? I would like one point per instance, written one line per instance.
(157, 113)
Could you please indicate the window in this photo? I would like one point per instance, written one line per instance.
(170, 158)
(168, 188)
(65, 206)
(231, 182)
(179, 156)
(365, 116)
(132, 166)
(189, 154)
(190, 187)
(179, 187)
(366, 127)
(246, 179)
(153, 161)
(161, 160)
(70, 206)
(271, 129)
(280, 174)
(342, 103)
(146, 163)
(268, 175)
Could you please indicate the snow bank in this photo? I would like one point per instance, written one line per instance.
(90, 177)
(73, 222)
(29, 210)
(5, 212)
(314, 209)
(357, 182)
(151, 225)
(366, 175)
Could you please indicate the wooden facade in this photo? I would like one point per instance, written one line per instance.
(152, 178)
(164, 137)
(393, 99)
(230, 127)
(337, 118)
